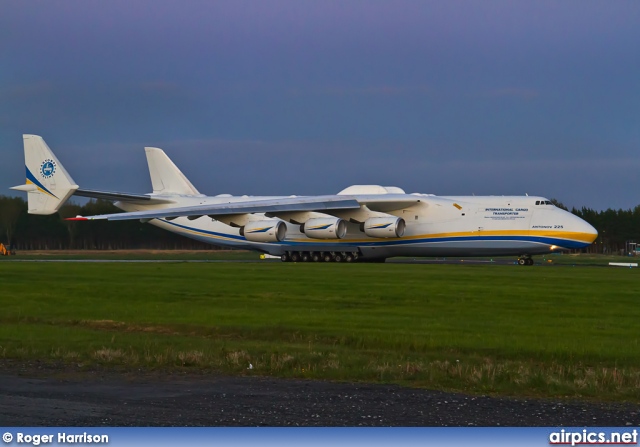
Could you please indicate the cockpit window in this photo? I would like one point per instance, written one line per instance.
(543, 202)
(537, 202)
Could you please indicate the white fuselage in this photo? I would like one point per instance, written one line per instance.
(436, 226)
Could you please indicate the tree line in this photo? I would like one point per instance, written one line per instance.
(25, 231)
(615, 228)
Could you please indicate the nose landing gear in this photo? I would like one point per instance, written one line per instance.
(525, 260)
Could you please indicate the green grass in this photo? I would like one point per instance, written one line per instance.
(525, 331)
(182, 255)
(584, 259)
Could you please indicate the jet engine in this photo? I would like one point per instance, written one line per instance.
(264, 231)
(324, 228)
(384, 227)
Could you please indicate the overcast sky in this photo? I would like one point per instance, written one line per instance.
(308, 97)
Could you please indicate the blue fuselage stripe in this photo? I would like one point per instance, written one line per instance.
(565, 243)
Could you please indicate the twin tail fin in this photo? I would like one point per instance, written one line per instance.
(48, 184)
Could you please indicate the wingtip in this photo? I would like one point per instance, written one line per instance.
(76, 218)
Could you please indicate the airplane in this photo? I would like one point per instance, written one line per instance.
(360, 223)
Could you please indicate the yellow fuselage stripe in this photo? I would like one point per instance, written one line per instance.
(572, 235)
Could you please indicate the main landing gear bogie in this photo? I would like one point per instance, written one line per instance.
(316, 256)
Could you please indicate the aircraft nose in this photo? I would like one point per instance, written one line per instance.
(592, 232)
(585, 228)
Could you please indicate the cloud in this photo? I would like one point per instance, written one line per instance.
(512, 92)
(24, 91)
(293, 97)
(371, 90)
(159, 86)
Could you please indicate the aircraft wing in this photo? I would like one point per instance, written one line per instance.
(315, 203)
(322, 204)
(272, 206)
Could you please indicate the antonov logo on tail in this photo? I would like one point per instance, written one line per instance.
(48, 168)
(361, 222)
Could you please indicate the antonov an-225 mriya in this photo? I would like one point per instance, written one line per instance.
(361, 222)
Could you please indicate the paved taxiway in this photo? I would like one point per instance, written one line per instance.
(33, 394)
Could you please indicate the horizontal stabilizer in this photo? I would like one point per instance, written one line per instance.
(120, 196)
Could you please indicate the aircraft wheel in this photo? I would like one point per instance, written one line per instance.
(305, 257)
(338, 257)
(295, 257)
(285, 257)
(349, 258)
(529, 261)
(327, 257)
(522, 261)
(315, 257)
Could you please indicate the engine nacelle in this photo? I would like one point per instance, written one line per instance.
(384, 227)
(264, 231)
(324, 228)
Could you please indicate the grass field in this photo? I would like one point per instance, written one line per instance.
(523, 331)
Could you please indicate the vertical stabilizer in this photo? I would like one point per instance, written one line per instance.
(166, 178)
(48, 184)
